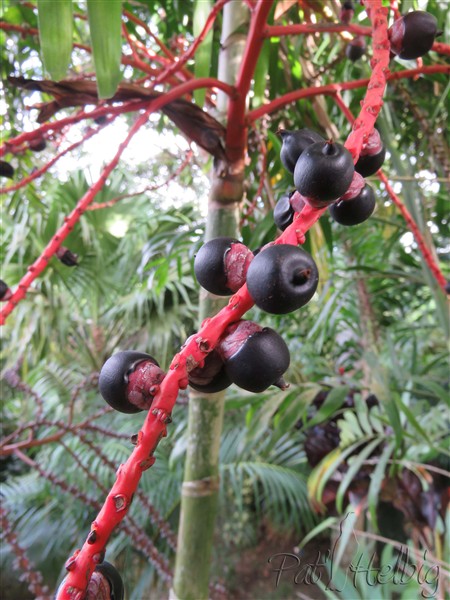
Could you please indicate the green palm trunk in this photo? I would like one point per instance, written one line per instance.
(201, 478)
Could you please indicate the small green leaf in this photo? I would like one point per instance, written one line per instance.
(105, 21)
(55, 35)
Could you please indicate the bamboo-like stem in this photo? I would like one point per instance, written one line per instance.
(199, 494)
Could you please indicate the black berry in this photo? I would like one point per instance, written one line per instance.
(221, 265)
(282, 278)
(254, 357)
(283, 213)
(37, 145)
(124, 388)
(294, 143)
(67, 257)
(211, 377)
(354, 211)
(324, 171)
(413, 35)
(6, 170)
(113, 578)
(372, 155)
(5, 292)
(356, 48)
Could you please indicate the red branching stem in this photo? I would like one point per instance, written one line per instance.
(413, 227)
(281, 30)
(331, 89)
(31, 576)
(344, 108)
(195, 349)
(182, 60)
(395, 10)
(39, 172)
(373, 100)
(151, 105)
(162, 46)
(236, 129)
(149, 188)
(69, 223)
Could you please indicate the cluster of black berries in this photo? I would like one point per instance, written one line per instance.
(324, 175)
(411, 36)
(105, 582)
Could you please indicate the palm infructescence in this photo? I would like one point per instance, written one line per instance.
(377, 324)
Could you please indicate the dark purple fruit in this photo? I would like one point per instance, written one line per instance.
(370, 163)
(283, 213)
(294, 143)
(324, 171)
(112, 575)
(413, 35)
(356, 48)
(67, 257)
(354, 211)
(5, 292)
(37, 145)
(126, 389)
(211, 377)
(221, 265)
(6, 170)
(254, 357)
(346, 13)
(281, 279)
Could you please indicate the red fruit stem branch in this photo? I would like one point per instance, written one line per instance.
(332, 88)
(152, 104)
(39, 172)
(82, 564)
(413, 227)
(149, 188)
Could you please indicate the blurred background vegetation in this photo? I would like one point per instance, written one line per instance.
(363, 427)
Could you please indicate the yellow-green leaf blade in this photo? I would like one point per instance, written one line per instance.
(55, 35)
(105, 20)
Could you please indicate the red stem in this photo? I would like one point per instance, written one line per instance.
(132, 106)
(26, 180)
(236, 129)
(280, 30)
(69, 223)
(413, 227)
(193, 353)
(332, 88)
(182, 60)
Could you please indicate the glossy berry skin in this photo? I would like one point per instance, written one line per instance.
(5, 292)
(282, 278)
(413, 35)
(324, 171)
(355, 49)
(6, 170)
(283, 213)
(211, 377)
(114, 579)
(354, 211)
(114, 379)
(221, 265)
(294, 143)
(37, 145)
(254, 357)
(370, 163)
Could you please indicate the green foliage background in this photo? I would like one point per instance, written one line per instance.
(136, 290)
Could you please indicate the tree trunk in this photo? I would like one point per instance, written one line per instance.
(201, 479)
